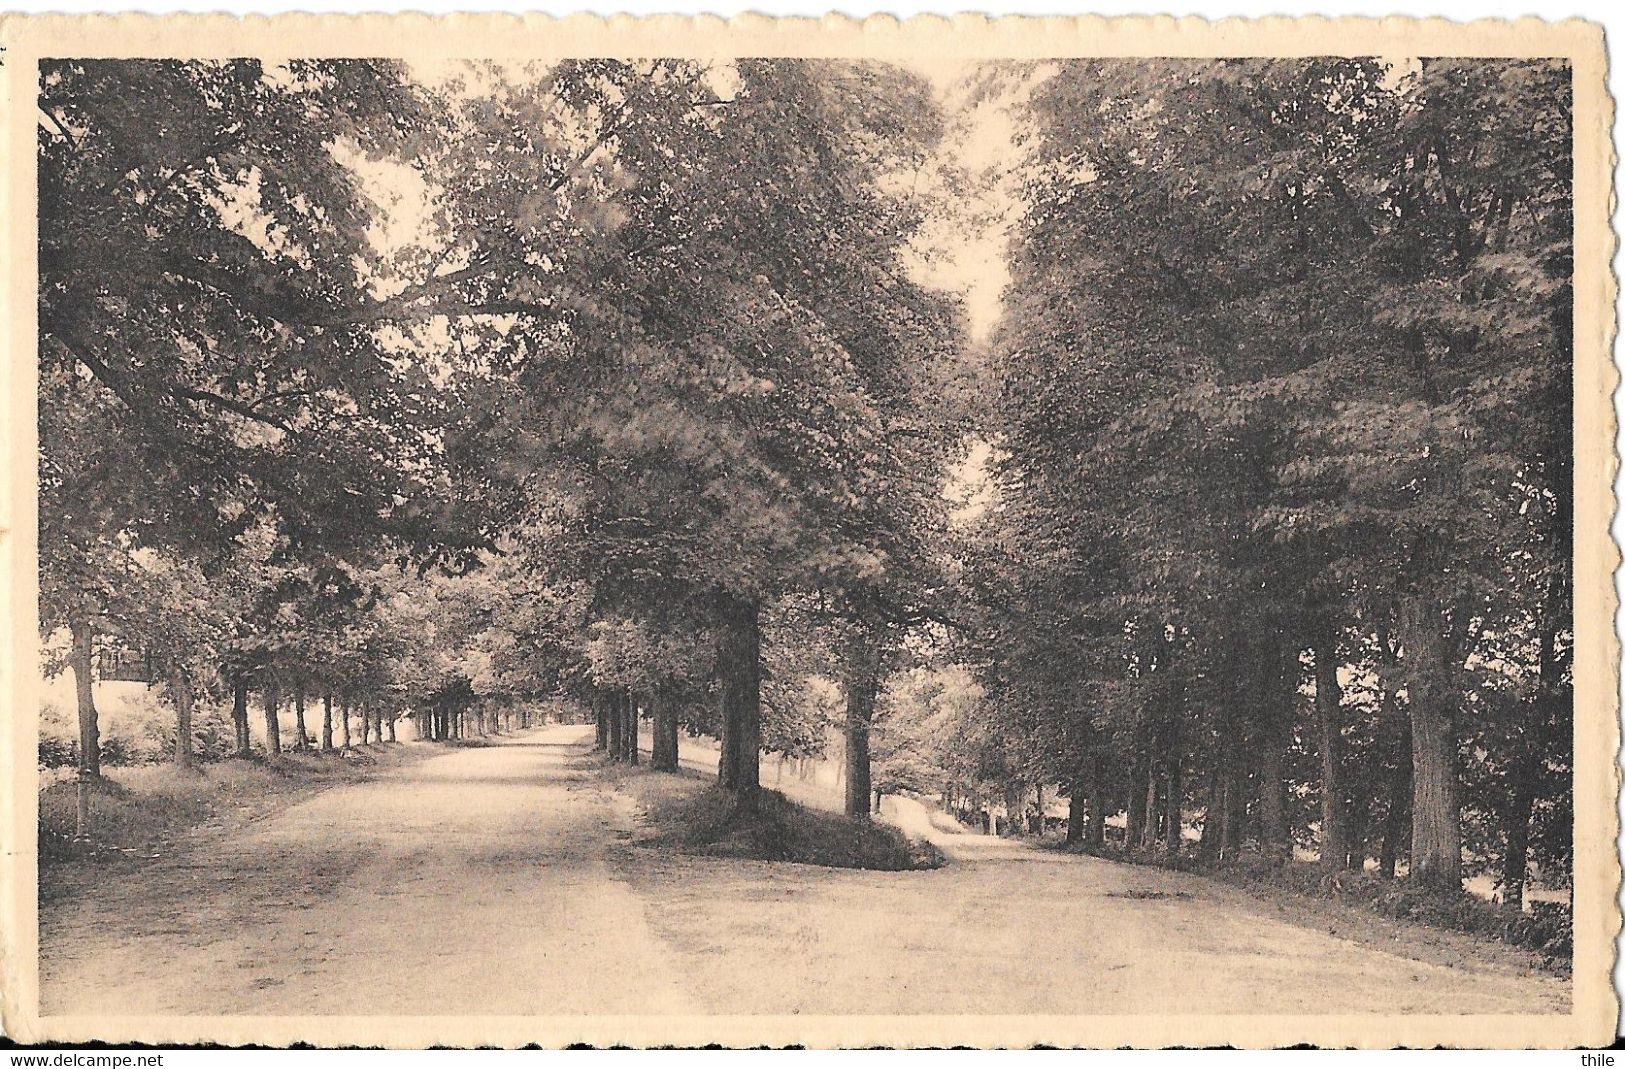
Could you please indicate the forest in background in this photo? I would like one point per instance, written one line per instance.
(616, 386)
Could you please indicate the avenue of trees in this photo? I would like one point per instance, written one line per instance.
(370, 393)
(1284, 441)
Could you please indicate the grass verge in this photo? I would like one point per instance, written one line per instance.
(137, 812)
(688, 811)
(1547, 933)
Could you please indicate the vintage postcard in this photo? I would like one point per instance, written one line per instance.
(666, 531)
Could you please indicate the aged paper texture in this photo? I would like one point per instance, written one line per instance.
(1152, 475)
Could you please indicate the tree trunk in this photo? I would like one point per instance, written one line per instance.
(1395, 825)
(1273, 835)
(1334, 846)
(1237, 793)
(862, 681)
(664, 747)
(1435, 810)
(81, 660)
(600, 712)
(1173, 823)
(327, 722)
(239, 715)
(1075, 812)
(391, 724)
(1359, 820)
(1014, 795)
(180, 686)
(1097, 802)
(1207, 847)
(299, 742)
(271, 698)
(631, 728)
(1139, 773)
(1552, 709)
(1277, 679)
(740, 662)
(1148, 834)
(617, 726)
(344, 722)
(728, 744)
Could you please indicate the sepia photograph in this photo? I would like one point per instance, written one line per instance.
(675, 532)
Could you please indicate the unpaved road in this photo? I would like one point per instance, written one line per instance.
(502, 880)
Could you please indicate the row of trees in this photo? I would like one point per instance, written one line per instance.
(1283, 453)
(646, 365)
(615, 381)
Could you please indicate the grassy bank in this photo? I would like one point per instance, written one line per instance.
(138, 811)
(1547, 934)
(687, 811)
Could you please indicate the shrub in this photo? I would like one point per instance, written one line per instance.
(55, 752)
(701, 818)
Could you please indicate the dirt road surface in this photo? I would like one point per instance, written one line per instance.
(505, 880)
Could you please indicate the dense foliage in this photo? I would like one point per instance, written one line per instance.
(446, 394)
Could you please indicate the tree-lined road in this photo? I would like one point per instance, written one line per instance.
(505, 880)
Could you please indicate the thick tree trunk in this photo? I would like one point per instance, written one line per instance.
(1076, 810)
(271, 698)
(80, 660)
(1272, 825)
(1207, 847)
(1334, 844)
(861, 684)
(180, 687)
(1515, 864)
(1435, 810)
(1237, 795)
(391, 723)
(740, 662)
(728, 748)
(1277, 690)
(663, 756)
(1140, 771)
(1552, 710)
(344, 721)
(1014, 795)
(299, 742)
(1173, 823)
(327, 722)
(600, 712)
(1396, 829)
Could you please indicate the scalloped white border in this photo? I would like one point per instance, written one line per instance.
(1597, 876)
